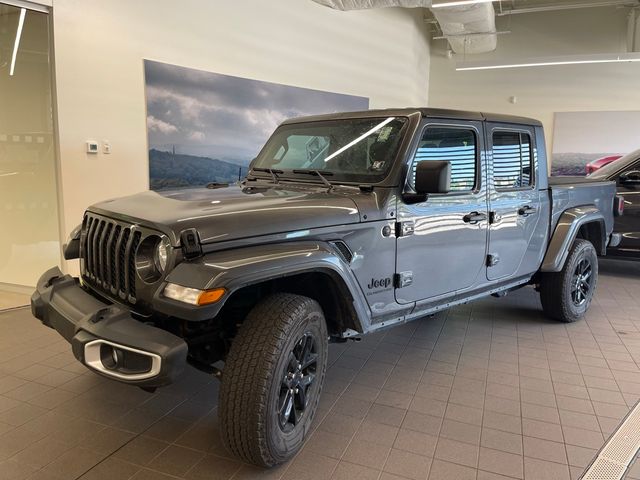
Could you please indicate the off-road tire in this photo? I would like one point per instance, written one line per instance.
(556, 287)
(253, 373)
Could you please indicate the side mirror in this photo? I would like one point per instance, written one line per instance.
(433, 176)
(630, 178)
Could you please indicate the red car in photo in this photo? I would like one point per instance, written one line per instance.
(601, 162)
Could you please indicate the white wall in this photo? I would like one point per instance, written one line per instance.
(100, 46)
(541, 91)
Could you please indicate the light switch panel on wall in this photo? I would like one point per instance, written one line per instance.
(92, 147)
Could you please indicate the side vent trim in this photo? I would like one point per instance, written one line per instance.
(345, 252)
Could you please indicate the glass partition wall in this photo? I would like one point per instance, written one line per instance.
(29, 238)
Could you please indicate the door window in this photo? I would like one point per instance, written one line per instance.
(630, 177)
(455, 145)
(512, 160)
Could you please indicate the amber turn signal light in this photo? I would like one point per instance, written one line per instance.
(210, 296)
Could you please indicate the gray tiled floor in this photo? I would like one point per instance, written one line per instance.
(487, 391)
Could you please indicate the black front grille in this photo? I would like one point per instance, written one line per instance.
(108, 253)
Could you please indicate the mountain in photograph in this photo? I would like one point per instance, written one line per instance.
(573, 164)
(174, 170)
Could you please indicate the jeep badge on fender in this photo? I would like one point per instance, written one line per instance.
(379, 283)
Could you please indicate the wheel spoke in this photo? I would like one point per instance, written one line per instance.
(293, 418)
(585, 266)
(300, 348)
(302, 398)
(306, 350)
(284, 412)
(311, 359)
(307, 380)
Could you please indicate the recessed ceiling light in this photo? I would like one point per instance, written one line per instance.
(16, 44)
(455, 3)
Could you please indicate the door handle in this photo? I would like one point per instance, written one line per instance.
(526, 211)
(474, 217)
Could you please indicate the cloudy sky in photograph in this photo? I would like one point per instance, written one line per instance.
(225, 117)
(596, 132)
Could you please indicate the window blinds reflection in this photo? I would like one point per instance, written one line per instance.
(511, 160)
(462, 158)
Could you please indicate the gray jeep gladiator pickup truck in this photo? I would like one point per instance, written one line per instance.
(345, 224)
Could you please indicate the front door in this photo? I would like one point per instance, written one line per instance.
(442, 242)
(514, 202)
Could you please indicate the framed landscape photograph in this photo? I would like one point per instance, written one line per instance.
(206, 127)
(586, 141)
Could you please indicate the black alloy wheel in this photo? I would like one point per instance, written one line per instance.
(582, 278)
(298, 378)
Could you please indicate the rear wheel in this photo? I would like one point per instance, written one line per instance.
(272, 379)
(566, 295)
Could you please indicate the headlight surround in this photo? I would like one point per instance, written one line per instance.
(193, 296)
(75, 233)
(151, 258)
(161, 255)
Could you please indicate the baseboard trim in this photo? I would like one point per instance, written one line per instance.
(13, 288)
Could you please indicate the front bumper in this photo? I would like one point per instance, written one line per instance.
(105, 337)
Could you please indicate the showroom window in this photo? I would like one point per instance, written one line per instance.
(511, 160)
(455, 145)
(28, 188)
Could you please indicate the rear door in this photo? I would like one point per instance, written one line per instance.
(514, 201)
(442, 242)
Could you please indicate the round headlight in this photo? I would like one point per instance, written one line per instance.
(162, 252)
(151, 258)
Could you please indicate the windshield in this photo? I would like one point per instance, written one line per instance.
(613, 167)
(355, 150)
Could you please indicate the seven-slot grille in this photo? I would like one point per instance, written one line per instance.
(108, 251)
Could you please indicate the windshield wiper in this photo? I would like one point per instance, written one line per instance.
(272, 171)
(318, 173)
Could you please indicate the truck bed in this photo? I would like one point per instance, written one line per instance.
(571, 192)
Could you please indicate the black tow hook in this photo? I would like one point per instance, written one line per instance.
(205, 367)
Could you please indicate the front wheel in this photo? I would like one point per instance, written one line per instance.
(272, 379)
(567, 294)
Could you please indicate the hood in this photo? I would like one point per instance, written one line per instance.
(233, 212)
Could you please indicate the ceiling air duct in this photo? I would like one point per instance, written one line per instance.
(468, 28)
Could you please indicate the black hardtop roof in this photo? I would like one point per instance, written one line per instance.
(424, 112)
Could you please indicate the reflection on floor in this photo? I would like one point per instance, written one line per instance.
(490, 390)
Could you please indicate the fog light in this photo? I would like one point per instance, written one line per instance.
(120, 361)
(193, 296)
(110, 356)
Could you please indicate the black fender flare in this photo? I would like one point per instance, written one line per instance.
(566, 232)
(241, 267)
